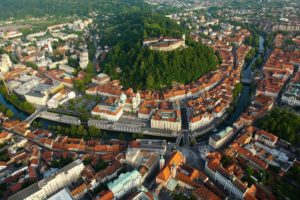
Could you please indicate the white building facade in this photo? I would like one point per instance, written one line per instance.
(125, 183)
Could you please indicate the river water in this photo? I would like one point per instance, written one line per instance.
(244, 98)
(245, 95)
(17, 113)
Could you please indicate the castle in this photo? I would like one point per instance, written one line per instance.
(164, 43)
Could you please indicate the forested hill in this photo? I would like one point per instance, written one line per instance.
(143, 68)
(20, 9)
(126, 30)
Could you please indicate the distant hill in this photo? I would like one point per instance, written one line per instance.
(143, 68)
(20, 9)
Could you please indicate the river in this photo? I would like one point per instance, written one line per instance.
(244, 98)
(245, 95)
(17, 113)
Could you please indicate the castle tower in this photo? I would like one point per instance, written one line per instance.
(161, 162)
(123, 98)
(138, 98)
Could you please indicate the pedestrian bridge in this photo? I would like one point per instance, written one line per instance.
(41, 113)
(34, 115)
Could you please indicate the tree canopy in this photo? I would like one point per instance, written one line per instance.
(62, 8)
(283, 123)
(144, 68)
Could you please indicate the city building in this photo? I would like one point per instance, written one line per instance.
(60, 98)
(43, 189)
(150, 145)
(5, 63)
(111, 110)
(167, 117)
(291, 95)
(36, 98)
(101, 79)
(125, 183)
(167, 175)
(265, 137)
(12, 34)
(198, 120)
(64, 194)
(84, 59)
(66, 68)
(146, 109)
(144, 161)
(226, 176)
(219, 139)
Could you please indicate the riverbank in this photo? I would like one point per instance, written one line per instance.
(16, 101)
(241, 104)
(6, 111)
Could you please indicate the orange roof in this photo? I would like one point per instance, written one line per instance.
(164, 174)
(205, 194)
(79, 189)
(176, 158)
(269, 135)
(108, 195)
(10, 124)
(4, 134)
(101, 148)
(252, 157)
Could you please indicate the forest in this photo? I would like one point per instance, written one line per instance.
(143, 68)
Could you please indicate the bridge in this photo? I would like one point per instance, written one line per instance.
(66, 119)
(246, 81)
(41, 112)
(35, 115)
(186, 138)
(178, 139)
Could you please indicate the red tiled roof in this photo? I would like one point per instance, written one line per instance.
(108, 195)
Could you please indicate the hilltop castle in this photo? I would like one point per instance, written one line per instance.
(164, 43)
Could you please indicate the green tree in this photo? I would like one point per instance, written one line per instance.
(282, 122)
(32, 65)
(81, 131)
(94, 132)
(122, 136)
(150, 82)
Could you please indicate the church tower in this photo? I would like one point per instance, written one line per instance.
(161, 162)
